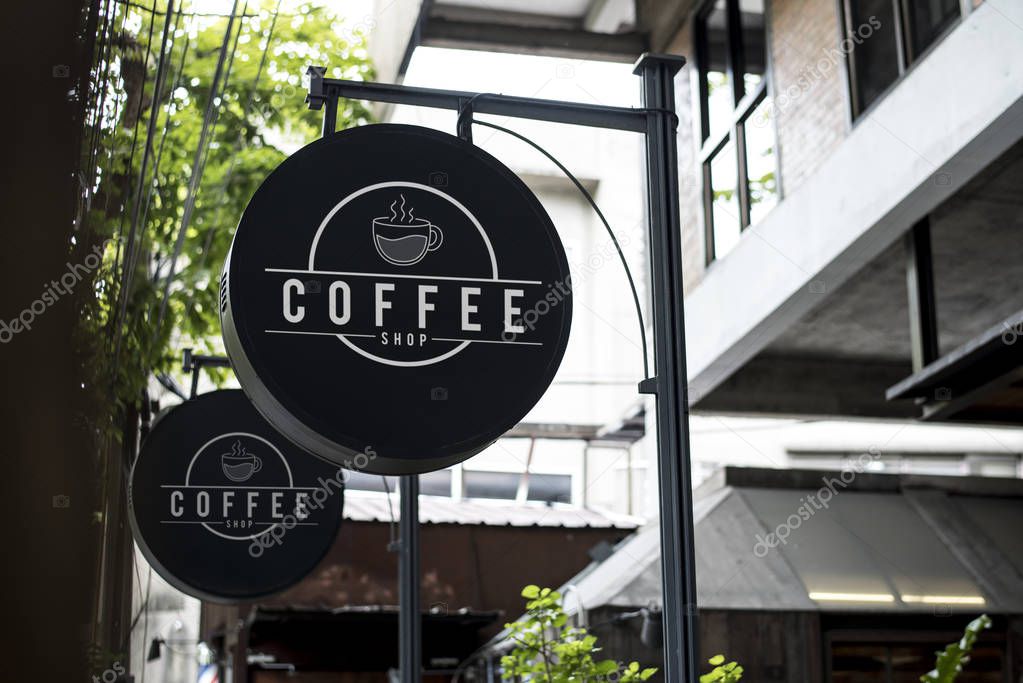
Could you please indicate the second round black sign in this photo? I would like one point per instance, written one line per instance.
(395, 288)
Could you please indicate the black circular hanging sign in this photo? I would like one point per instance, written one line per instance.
(395, 287)
(224, 507)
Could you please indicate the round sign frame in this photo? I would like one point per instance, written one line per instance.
(417, 303)
(224, 507)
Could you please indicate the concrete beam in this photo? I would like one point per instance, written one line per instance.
(938, 128)
(497, 36)
(814, 386)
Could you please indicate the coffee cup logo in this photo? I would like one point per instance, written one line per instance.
(239, 465)
(258, 493)
(403, 239)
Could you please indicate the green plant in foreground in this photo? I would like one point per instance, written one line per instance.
(548, 651)
(951, 660)
(721, 673)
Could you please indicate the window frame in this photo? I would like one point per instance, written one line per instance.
(906, 58)
(743, 105)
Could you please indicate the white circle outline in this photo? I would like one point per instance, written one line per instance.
(419, 186)
(291, 480)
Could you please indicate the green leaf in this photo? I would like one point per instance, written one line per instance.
(531, 591)
(950, 661)
(716, 660)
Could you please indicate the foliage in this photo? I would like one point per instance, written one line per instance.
(548, 651)
(951, 660)
(260, 117)
(721, 673)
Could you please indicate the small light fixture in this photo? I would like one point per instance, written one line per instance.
(851, 597)
(154, 649)
(651, 633)
(944, 599)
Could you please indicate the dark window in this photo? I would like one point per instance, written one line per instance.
(905, 662)
(884, 37)
(548, 488)
(738, 149)
(430, 484)
(928, 19)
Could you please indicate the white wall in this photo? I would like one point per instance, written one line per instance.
(604, 348)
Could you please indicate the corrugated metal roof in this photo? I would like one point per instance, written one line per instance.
(884, 543)
(363, 506)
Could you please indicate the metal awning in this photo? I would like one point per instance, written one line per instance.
(981, 381)
(883, 543)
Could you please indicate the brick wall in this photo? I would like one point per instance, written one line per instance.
(693, 248)
(811, 109)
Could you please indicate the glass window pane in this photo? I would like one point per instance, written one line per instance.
(928, 19)
(872, 38)
(754, 43)
(550, 488)
(761, 161)
(719, 104)
(479, 484)
(858, 663)
(985, 665)
(725, 200)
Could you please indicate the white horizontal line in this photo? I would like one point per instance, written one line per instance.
(373, 336)
(200, 486)
(944, 599)
(400, 275)
(325, 334)
(488, 341)
(852, 597)
(254, 523)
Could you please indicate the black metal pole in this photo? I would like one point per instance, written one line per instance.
(923, 309)
(330, 116)
(409, 620)
(678, 575)
(658, 122)
(555, 111)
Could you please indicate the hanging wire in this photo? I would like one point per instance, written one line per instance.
(467, 111)
(163, 139)
(205, 138)
(130, 194)
(241, 135)
(253, 89)
(98, 96)
(154, 113)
